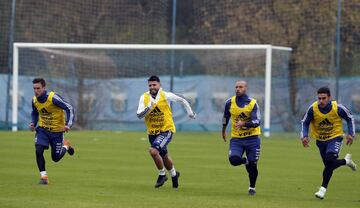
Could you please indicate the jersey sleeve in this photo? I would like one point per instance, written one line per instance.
(255, 117)
(305, 122)
(70, 115)
(180, 99)
(227, 115)
(142, 109)
(34, 114)
(345, 113)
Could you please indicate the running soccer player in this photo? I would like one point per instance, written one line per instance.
(325, 120)
(48, 121)
(245, 130)
(154, 106)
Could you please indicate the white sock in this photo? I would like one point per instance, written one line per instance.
(66, 147)
(162, 172)
(43, 173)
(251, 188)
(172, 172)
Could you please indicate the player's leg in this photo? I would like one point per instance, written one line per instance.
(169, 165)
(331, 163)
(58, 149)
(155, 154)
(331, 159)
(69, 147)
(322, 145)
(329, 151)
(40, 159)
(236, 151)
(41, 144)
(158, 145)
(168, 162)
(252, 148)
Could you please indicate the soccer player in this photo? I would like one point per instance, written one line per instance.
(48, 121)
(245, 130)
(154, 106)
(325, 120)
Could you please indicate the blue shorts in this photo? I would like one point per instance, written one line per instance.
(330, 146)
(160, 141)
(250, 145)
(44, 137)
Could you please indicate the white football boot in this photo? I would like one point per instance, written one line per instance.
(350, 162)
(321, 193)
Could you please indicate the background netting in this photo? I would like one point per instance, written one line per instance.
(307, 26)
(105, 85)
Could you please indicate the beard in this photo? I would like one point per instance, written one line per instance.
(154, 92)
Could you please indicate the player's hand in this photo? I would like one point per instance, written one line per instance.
(239, 124)
(66, 129)
(193, 116)
(152, 103)
(32, 126)
(305, 141)
(224, 136)
(349, 140)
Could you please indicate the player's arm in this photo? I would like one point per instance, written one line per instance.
(142, 109)
(34, 117)
(305, 123)
(349, 118)
(225, 119)
(69, 110)
(180, 99)
(255, 118)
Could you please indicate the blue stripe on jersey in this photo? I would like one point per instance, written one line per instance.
(348, 117)
(58, 101)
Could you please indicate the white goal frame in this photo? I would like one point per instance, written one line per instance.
(268, 65)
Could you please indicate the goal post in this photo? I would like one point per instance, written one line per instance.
(256, 58)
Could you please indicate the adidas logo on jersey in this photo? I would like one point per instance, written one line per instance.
(156, 112)
(43, 110)
(243, 117)
(44, 113)
(325, 122)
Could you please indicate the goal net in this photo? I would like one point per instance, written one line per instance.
(104, 81)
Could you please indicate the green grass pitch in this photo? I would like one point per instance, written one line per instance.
(114, 169)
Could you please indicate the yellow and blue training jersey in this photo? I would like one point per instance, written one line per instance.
(48, 112)
(159, 119)
(245, 109)
(326, 123)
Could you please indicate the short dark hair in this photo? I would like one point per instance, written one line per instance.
(39, 80)
(154, 78)
(324, 90)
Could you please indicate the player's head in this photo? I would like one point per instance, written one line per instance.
(240, 88)
(39, 85)
(154, 85)
(324, 96)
